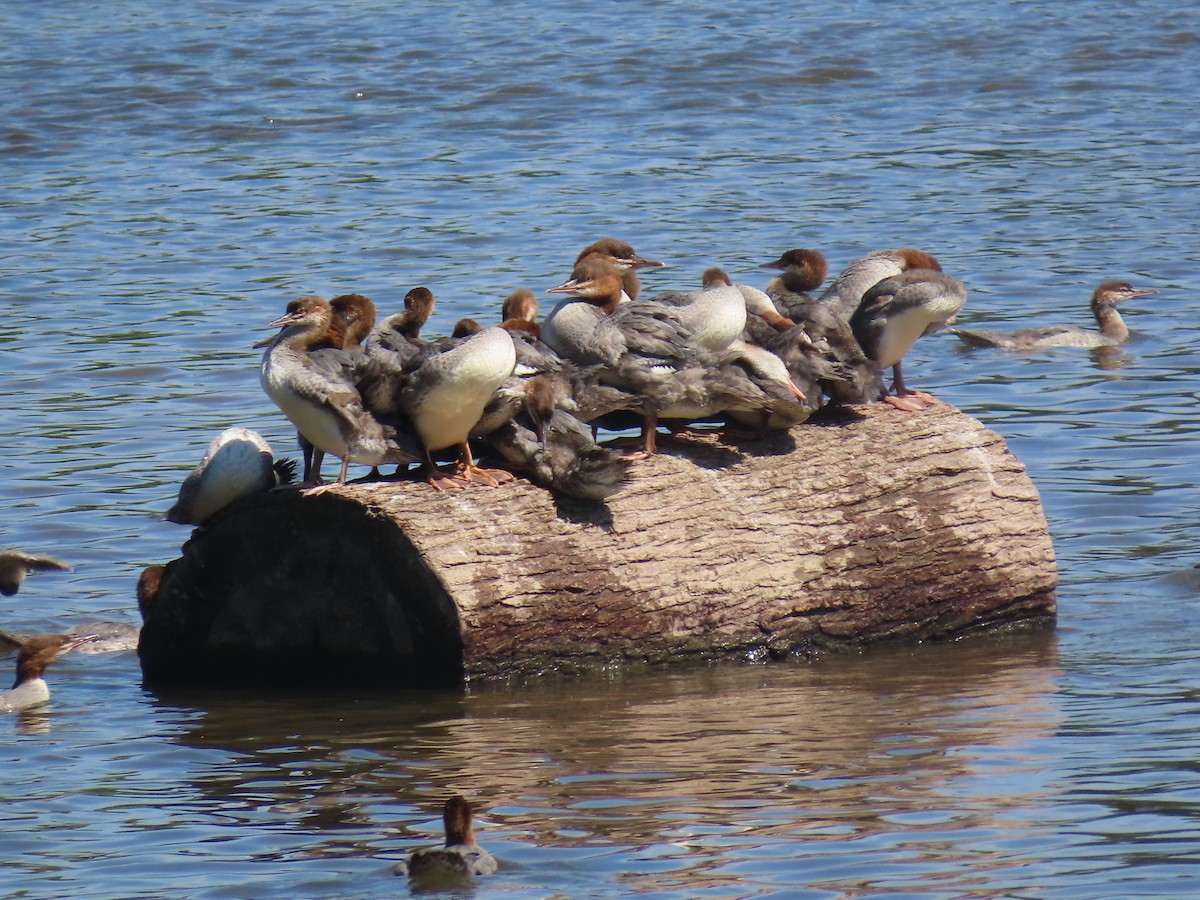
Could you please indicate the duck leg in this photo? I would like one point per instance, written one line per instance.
(909, 401)
(439, 480)
(467, 470)
(322, 488)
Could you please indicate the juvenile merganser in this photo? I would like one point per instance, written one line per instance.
(759, 303)
(1113, 330)
(622, 255)
(317, 391)
(394, 348)
(519, 312)
(803, 271)
(238, 462)
(460, 857)
(844, 295)
(356, 316)
(897, 311)
(557, 449)
(30, 688)
(643, 347)
(15, 565)
(789, 404)
(147, 588)
(445, 397)
(715, 315)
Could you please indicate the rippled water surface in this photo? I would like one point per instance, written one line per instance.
(174, 173)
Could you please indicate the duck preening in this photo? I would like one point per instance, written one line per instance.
(1113, 330)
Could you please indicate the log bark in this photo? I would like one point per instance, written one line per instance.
(878, 524)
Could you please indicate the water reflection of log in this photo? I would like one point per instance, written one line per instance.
(887, 525)
(698, 757)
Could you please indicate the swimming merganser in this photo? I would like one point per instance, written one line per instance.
(622, 255)
(847, 290)
(460, 857)
(803, 271)
(446, 395)
(30, 689)
(897, 311)
(317, 391)
(237, 462)
(15, 565)
(643, 347)
(715, 315)
(1113, 330)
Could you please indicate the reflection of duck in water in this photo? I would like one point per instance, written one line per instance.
(897, 311)
(1113, 330)
(16, 565)
(237, 463)
(30, 688)
(460, 857)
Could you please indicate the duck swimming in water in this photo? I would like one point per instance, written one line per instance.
(30, 688)
(238, 462)
(16, 565)
(460, 857)
(317, 391)
(1113, 330)
(897, 311)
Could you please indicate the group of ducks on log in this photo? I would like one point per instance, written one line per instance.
(603, 357)
(535, 392)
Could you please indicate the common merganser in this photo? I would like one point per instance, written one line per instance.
(147, 588)
(789, 405)
(356, 316)
(844, 295)
(394, 348)
(16, 565)
(715, 315)
(759, 303)
(622, 255)
(557, 449)
(460, 857)
(237, 462)
(1113, 330)
(445, 397)
(317, 391)
(803, 271)
(519, 313)
(897, 311)
(643, 347)
(30, 688)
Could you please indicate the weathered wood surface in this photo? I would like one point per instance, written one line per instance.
(880, 526)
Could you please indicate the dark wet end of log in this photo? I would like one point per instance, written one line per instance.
(882, 527)
(295, 593)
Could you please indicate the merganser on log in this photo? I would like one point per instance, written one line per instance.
(878, 525)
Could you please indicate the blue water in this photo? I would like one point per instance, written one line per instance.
(173, 174)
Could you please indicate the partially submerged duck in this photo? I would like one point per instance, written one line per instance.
(237, 462)
(1113, 330)
(16, 565)
(895, 313)
(459, 857)
(30, 688)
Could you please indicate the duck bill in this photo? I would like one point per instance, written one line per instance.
(1141, 293)
(640, 262)
(263, 343)
(778, 264)
(79, 641)
(795, 390)
(568, 287)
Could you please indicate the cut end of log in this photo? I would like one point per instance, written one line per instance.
(879, 526)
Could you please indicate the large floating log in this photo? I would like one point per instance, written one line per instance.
(881, 524)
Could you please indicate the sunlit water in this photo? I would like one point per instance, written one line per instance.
(174, 173)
